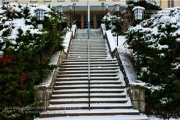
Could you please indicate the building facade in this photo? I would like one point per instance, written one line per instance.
(162, 3)
(79, 11)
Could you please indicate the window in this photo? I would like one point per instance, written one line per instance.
(47, 0)
(74, 0)
(60, 0)
(170, 3)
(33, 0)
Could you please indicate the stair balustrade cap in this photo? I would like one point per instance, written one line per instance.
(133, 82)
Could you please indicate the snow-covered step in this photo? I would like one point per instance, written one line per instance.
(99, 42)
(91, 38)
(76, 49)
(86, 78)
(86, 81)
(86, 74)
(86, 71)
(86, 85)
(86, 100)
(92, 95)
(96, 105)
(85, 57)
(84, 53)
(91, 68)
(79, 111)
(92, 90)
(85, 47)
(85, 50)
(91, 65)
(91, 62)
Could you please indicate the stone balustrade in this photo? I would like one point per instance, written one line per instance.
(43, 91)
(135, 87)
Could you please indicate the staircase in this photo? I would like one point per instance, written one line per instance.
(90, 87)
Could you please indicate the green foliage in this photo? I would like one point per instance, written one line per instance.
(7, 32)
(26, 12)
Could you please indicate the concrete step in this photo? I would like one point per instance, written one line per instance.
(86, 78)
(91, 68)
(86, 82)
(85, 53)
(85, 57)
(110, 86)
(85, 36)
(97, 105)
(86, 71)
(92, 90)
(99, 65)
(91, 62)
(85, 75)
(86, 47)
(90, 50)
(88, 112)
(101, 117)
(91, 40)
(86, 95)
(86, 100)
(85, 67)
(91, 45)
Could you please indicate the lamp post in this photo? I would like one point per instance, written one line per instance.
(106, 11)
(102, 4)
(70, 9)
(40, 18)
(116, 9)
(60, 11)
(74, 6)
(138, 15)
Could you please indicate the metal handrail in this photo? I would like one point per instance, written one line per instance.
(89, 53)
(89, 77)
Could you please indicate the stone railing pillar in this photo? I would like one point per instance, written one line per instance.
(41, 96)
(137, 95)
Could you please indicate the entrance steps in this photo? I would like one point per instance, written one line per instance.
(90, 86)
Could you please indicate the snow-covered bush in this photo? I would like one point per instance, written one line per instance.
(113, 22)
(159, 49)
(22, 44)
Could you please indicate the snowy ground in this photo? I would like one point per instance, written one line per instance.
(118, 117)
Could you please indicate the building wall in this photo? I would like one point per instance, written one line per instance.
(59, 1)
(162, 3)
